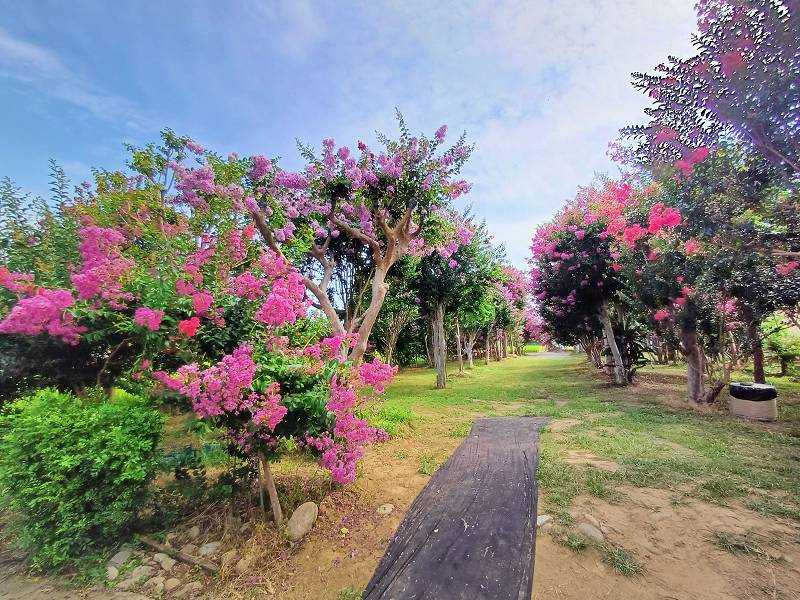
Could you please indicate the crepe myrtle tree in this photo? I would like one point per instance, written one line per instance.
(197, 305)
(741, 221)
(392, 203)
(577, 263)
(740, 85)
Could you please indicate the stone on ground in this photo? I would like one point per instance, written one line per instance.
(189, 549)
(194, 532)
(172, 583)
(164, 560)
(111, 572)
(119, 558)
(591, 532)
(209, 548)
(543, 520)
(385, 509)
(155, 585)
(190, 589)
(301, 521)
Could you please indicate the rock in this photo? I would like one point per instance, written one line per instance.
(190, 589)
(243, 566)
(189, 549)
(385, 509)
(171, 584)
(111, 572)
(155, 585)
(229, 557)
(209, 548)
(119, 558)
(194, 532)
(543, 520)
(169, 539)
(590, 531)
(301, 521)
(126, 584)
(141, 572)
(165, 561)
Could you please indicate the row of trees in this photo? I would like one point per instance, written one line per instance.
(695, 251)
(243, 291)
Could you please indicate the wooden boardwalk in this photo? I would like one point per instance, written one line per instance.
(471, 533)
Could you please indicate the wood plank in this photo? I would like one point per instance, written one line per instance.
(471, 532)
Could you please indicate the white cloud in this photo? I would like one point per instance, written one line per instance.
(541, 86)
(39, 69)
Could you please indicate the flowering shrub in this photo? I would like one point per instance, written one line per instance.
(198, 305)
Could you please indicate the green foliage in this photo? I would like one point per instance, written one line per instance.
(783, 340)
(73, 473)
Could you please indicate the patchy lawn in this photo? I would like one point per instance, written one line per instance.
(648, 499)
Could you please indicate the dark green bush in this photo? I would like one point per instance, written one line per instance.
(74, 472)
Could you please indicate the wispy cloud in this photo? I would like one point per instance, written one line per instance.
(38, 70)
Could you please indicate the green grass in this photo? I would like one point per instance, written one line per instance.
(394, 420)
(427, 464)
(622, 561)
(735, 543)
(350, 593)
(704, 457)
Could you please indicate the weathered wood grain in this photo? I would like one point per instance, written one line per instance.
(471, 533)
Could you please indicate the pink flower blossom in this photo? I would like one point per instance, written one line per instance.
(44, 312)
(661, 315)
(787, 268)
(189, 327)
(148, 317)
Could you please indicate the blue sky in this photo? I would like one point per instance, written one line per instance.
(540, 86)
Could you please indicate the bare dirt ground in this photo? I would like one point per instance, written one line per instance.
(672, 539)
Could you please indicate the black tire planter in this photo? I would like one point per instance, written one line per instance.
(754, 392)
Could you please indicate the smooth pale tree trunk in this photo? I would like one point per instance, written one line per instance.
(620, 377)
(439, 346)
(758, 352)
(469, 346)
(488, 344)
(458, 348)
(267, 484)
(695, 389)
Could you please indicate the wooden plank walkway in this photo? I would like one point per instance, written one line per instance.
(471, 533)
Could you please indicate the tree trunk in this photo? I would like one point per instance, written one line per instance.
(439, 346)
(470, 345)
(458, 348)
(784, 366)
(695, 391)
(391, 344)
(428, 351)
(488, 343)
(620, 377)
(758, 352)
(379, 290)
(268, 484)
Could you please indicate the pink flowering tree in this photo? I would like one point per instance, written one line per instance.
(723, 274)
(198, 305)
(349, 210)
(740, 85)
(577, 264)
